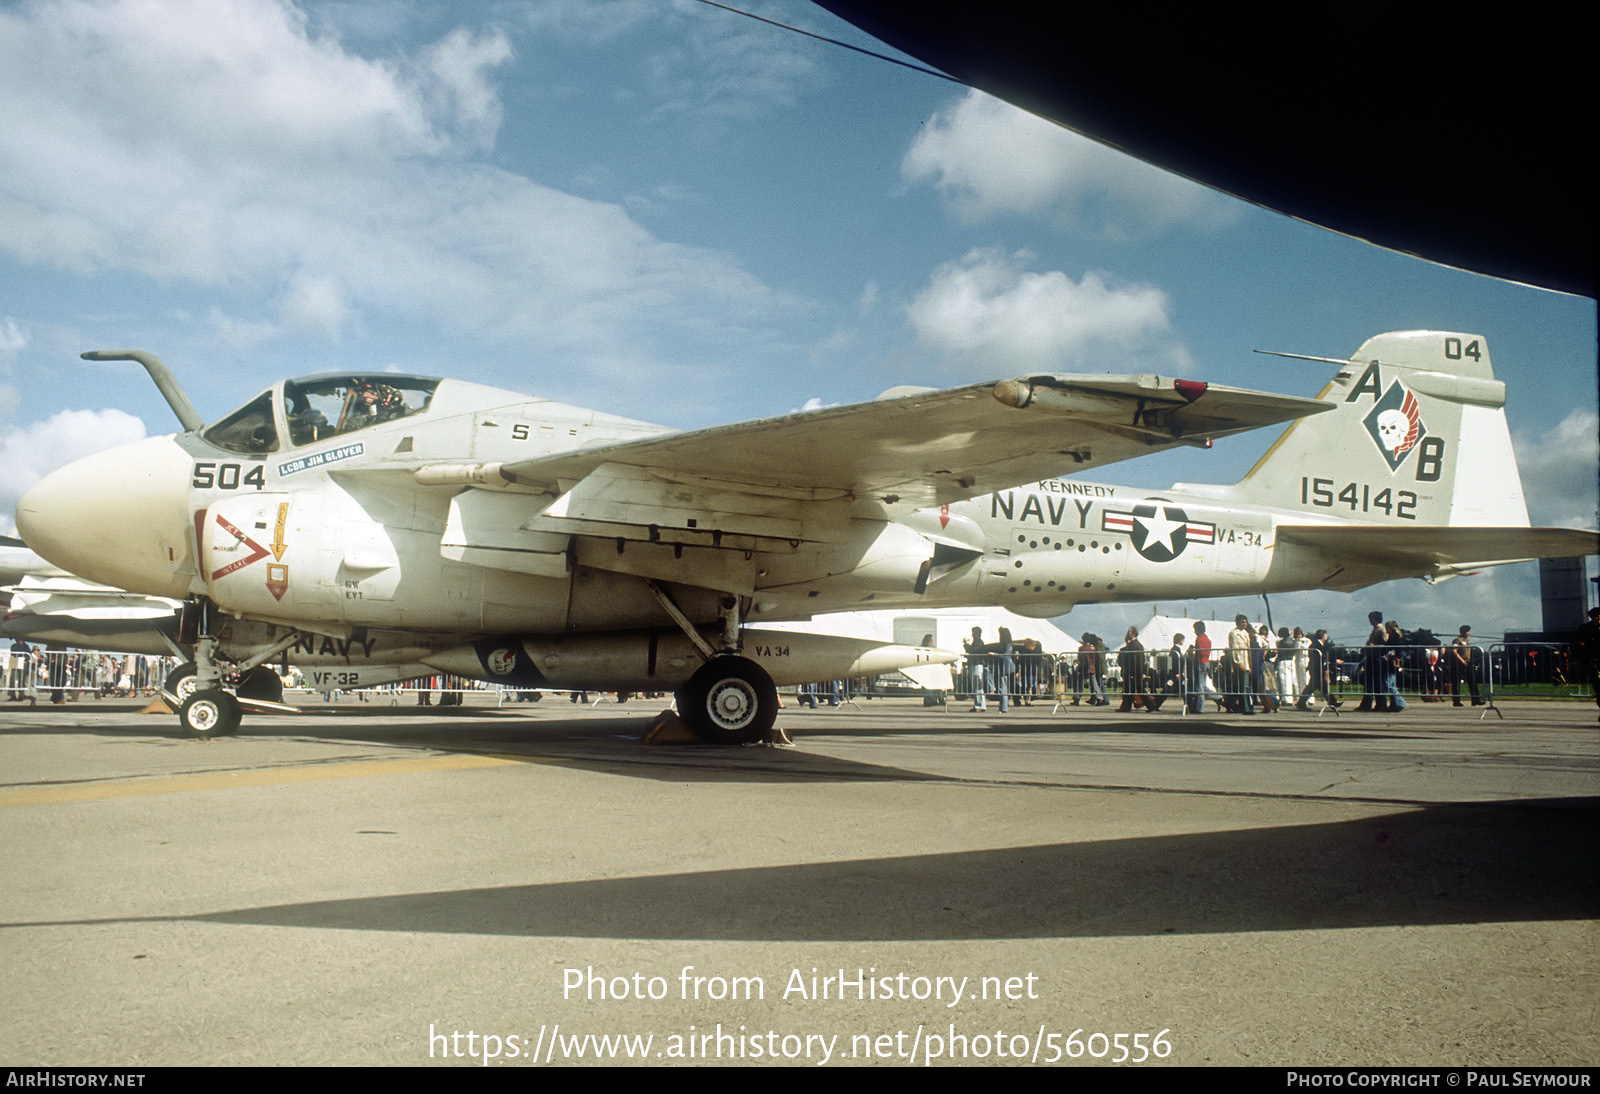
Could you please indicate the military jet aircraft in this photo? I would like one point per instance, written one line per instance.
(534, 544)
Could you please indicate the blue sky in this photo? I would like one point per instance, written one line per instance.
(665, 210)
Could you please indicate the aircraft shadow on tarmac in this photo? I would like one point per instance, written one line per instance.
(609, 744)
(1447, 864)
(449, 726)
(1017, 724)
(612, 742)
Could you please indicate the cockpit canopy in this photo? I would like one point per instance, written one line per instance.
(317, 408)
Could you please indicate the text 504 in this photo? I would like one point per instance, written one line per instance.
(227, 476)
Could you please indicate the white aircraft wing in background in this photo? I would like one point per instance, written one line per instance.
(906, 450)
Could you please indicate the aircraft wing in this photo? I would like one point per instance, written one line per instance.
(1437, 551)
(906, 451)
(81, 613)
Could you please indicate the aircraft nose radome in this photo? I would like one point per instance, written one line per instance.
(119, 517)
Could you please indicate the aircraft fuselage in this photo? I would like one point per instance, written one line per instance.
(336, 533)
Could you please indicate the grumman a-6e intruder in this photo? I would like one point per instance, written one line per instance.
(439, 523)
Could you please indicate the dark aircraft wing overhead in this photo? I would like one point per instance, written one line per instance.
(1465, 136)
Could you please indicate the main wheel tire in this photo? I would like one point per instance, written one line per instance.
(729, 701)
(261, 683)
(180, 683)
(210, 713)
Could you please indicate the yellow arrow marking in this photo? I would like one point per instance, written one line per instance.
(278, 546)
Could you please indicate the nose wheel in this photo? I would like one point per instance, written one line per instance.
(210, 712)
(260, 685)
(179, 684)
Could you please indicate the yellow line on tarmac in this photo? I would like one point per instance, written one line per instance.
(224, 780)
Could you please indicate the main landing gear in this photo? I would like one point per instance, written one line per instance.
(730, 700)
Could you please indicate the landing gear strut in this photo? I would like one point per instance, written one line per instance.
(205, 708)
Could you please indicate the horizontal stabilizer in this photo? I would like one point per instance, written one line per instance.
(1422, 551)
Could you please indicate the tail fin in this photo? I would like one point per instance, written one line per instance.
(1418, 437)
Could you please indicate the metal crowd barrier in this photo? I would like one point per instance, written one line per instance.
(1470, 675)
(1538, 670)
(1032, 677)
(1419, 673)
(73, 675)
(62, 675)
(1353, 676)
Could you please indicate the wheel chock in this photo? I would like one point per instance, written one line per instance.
(667, 728)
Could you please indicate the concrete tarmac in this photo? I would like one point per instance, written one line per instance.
(530, 884)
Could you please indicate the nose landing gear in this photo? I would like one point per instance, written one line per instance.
(196, 688)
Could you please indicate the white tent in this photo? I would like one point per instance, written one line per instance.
(940, 628)
(1157, 633)
(947, 627)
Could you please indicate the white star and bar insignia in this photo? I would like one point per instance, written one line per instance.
(1160, 531)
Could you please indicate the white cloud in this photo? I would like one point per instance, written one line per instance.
(222, 144)
(589, 22)
(716, 66)
(31, 452)
(238, 333)
(314, 303)
(13, 339)
(867, 302)
(460, 64)
(700, 63)
(987, 308)
(987, 158)
(1561, 471)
